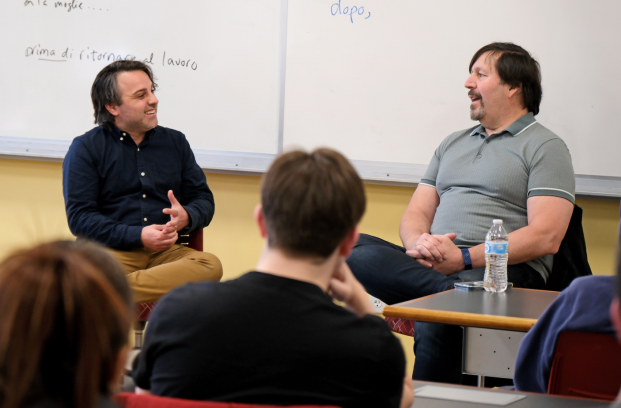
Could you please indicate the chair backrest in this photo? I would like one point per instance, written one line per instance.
(586, 365)
(129, 400)
(571, 260)
(193, 240)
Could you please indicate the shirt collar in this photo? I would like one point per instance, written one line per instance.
(514, 129)
(120, 132)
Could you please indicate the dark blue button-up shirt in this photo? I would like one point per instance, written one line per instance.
(113, 188)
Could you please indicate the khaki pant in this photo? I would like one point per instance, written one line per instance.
(153, 274)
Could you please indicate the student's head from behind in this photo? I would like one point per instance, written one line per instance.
(310, 202)
(123, 95)
(65, 315)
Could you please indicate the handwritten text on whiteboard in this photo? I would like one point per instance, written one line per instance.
(351, 11)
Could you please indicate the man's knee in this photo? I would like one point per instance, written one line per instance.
(211, 264)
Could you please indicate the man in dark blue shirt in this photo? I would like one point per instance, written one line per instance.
(132, 186)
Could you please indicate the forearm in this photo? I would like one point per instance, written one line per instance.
(407, 396)
(525, 244)
(103, 230)
(419, 215)
(360, 303)
(413, 224)
(200, 213)
(530, 243)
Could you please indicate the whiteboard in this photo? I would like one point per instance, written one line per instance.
(218, 65)
(386, 84)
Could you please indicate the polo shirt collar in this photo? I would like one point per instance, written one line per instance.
(514, 129)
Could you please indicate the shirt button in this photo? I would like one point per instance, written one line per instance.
(142, 174)
(138, 149)
(121, 138)
(478, 157)
(124, 134)
(144, 196)
(145, 219)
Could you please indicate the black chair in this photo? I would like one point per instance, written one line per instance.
(571, 261)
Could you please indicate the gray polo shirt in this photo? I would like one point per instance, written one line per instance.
(480, 178)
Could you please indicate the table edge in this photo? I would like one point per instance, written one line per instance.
(460, 318)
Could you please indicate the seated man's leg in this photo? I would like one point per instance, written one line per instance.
(171, 268)
(438, 353)
(389, 274)
(438, 347)
(134, 260)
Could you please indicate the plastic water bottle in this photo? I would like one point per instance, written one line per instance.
(496, 257)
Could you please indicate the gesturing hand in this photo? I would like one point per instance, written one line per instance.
(158, 237)
(178, 215)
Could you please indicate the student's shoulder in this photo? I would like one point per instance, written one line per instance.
(201, 294)
(370, 329)
(594, 285)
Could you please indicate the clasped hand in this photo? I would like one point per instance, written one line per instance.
(161, 237)
(438, 252)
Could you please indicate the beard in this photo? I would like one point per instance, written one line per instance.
(477, 114)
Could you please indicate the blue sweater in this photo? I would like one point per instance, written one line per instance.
(584, 306)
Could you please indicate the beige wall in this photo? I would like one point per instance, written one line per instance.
(31, 203)
(32, 209)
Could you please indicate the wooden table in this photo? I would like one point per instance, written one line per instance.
(531, 400)
(494, 323)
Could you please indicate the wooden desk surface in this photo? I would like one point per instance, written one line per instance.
(515, 309)
(532, 400)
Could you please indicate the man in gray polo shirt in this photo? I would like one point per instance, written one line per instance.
(508, 167)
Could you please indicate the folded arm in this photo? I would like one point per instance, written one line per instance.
(548, 219)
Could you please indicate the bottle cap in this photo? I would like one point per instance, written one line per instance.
(497, 222)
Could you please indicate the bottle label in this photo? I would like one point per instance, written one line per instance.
(496, 248)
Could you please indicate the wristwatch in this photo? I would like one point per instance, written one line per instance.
(465, 253)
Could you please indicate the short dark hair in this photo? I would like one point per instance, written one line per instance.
(104, 90)
(516, 67)
(311, 201)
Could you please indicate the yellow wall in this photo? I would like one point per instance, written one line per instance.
(32, 208)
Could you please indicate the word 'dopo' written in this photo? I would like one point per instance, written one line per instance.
(351, 11)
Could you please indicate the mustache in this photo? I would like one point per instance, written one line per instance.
(472, 92)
